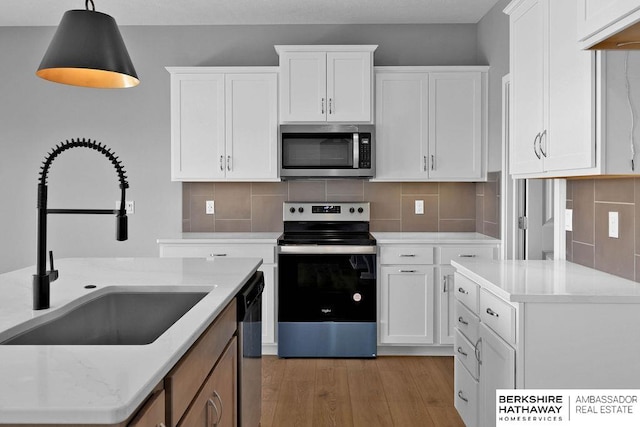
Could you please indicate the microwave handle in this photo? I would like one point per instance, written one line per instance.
(356, 150)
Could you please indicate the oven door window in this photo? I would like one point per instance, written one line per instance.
(314, 288)
(317, 151)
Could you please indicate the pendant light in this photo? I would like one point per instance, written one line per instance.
(87, 50)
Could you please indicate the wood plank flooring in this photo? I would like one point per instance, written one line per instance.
(385, 392)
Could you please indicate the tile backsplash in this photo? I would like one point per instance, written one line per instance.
(257, 206)
(589, 243)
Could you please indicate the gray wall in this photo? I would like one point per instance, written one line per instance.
(493, 48)
(35, 115)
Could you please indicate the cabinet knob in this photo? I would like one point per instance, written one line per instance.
(462, 291)
(462, 352)
(461, 320)
(462, 397)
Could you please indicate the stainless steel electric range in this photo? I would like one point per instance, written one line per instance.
(326, 281)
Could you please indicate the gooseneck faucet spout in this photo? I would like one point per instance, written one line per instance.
(43, 277)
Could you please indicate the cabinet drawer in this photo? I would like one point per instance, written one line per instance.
(448, 253)
(467, 292)
(498, 315)
(184, 380)
(215, 403)
(195, 250)
(465, 352)
(465, 395)
(406, 254)
(152, 414)
(466, 322)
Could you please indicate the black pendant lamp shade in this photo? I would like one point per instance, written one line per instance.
(87, 50)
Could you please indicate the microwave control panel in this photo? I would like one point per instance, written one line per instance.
(365, 151)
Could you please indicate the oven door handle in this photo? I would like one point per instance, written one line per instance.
(327, 249)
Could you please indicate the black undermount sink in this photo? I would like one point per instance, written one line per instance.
(115, 318)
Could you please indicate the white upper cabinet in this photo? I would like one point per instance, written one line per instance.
(326, 83)
(431, 123)
(224, 123)
(553, 92)
(197, 126)
(601, 19)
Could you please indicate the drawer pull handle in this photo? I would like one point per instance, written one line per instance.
(462, 352)
(461, 320)
(492, 313)
(212, 407)
(217, 396)
(217, 254)
(407, 271)
(462, 291)
(466, 256)
(407, 255)
(462, 397)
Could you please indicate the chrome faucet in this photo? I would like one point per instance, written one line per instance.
(43, 277)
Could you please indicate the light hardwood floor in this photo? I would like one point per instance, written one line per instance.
(386, 392)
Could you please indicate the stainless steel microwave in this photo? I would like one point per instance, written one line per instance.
(327, 151)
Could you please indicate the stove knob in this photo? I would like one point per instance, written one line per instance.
(292, 210)
(360, 210)
(352, 210)
(300, 210)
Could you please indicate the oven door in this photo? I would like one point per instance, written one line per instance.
(318, 287)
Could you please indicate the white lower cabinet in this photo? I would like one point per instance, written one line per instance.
(417, 294)
(407, 304)
(485, 359)
(191, 248)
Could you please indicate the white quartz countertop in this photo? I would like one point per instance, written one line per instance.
(103, 384)
(224, 237)
(434, 238)
(548, 281)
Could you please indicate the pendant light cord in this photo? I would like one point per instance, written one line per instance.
(86, 5)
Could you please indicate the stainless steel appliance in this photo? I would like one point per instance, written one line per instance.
(329, 151)
(326, 281)
(249, 301)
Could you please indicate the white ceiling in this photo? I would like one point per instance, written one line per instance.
(212, 12)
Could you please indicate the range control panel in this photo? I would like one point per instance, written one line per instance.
(325, 211)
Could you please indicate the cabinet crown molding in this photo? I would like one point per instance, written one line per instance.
(326, 48)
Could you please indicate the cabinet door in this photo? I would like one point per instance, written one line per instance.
(401, 126)
(406, 304)
(197, 126)
(497, 371)
(529, 41)
(303, 92)
(570, 119)
(445, 294)
(349, 86)
(251, 126)
(216, 402)
(268, 304)
(455, 126)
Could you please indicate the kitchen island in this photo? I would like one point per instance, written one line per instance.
(104, 384)
(540, 325)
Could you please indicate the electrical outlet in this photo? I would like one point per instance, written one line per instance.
(129, 206)
(613, 225)
(210, 207)
(568, 220)
(419, 207)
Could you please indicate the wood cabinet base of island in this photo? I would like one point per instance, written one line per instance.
(200, 390)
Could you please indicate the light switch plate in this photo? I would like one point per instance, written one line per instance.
(568, 219)
(419, 207)
(210, 207)
(613, 225)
